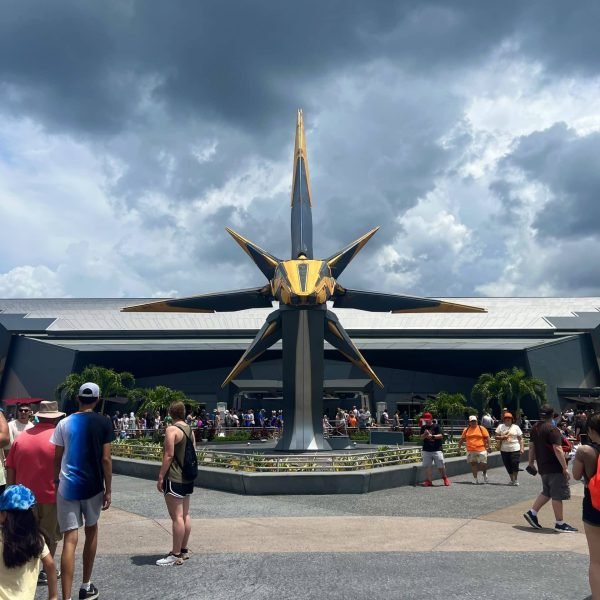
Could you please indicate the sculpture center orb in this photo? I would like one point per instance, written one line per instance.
(303, 281)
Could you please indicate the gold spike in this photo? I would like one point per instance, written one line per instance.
(243, 242)
(300, 152)
(363, 365)
(358, 246)
(239, 367)
(269, 330)
(443, 307)
(164, 306)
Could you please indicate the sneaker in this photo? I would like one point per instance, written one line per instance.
(170, 560)
(515, 482)
(565, 528)
(90, 594)
(485, 479)
(42, 578)
(475, 481)
(185, 553)
(446, 481)
(427, 483)
(532, 520)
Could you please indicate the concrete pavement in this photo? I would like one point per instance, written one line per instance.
(464, 541)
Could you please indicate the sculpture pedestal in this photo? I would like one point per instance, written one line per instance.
(303, 332)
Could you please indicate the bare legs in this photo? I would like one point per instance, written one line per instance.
(89, 551)
(179, 511)
(67, 559)
(557, 507)
(593, 539)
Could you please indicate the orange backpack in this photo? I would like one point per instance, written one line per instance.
(594, 486)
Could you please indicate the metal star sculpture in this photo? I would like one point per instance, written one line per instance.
(302, 285)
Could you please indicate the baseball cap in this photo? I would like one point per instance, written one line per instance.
(472, 418)
(17, 497)
(427, 415)
(89, 390)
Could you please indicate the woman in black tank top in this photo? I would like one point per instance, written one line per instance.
(584, 467)
(175, 488)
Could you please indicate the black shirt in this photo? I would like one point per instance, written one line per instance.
(432, 445)
(544, 436)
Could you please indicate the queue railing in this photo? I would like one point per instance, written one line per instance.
(382, 456)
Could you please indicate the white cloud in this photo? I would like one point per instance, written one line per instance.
(30, 282)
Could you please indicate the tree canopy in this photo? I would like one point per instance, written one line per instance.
(111, 383)
(508, 388)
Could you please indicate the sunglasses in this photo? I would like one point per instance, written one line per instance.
(24, 410)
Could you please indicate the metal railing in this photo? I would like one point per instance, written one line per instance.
(270, 463)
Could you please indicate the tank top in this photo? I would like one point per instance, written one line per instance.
(174, 472)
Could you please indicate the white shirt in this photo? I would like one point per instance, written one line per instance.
(16, 428)
(512, 443)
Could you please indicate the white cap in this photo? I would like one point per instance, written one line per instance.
(472, 418)
(89, 390)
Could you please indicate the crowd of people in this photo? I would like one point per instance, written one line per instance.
(58, 476)
(56, 479)
(131, 425)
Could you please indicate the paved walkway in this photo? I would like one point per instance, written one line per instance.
(460, 542)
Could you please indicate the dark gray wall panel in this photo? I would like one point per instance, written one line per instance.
(36, 368)
(569, 362)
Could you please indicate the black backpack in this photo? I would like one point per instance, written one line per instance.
(189, 468)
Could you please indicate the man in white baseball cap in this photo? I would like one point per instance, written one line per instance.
(82, 456)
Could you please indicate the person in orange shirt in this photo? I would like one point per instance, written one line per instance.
(352, 421)
(477, 439)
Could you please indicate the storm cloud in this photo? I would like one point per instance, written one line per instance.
(132, 132)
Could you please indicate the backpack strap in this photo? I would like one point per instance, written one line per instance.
(187, 438)
(181, 429)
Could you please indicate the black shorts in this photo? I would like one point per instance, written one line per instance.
(178, 490)
(590, 515)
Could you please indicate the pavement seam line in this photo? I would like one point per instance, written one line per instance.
(450, 535)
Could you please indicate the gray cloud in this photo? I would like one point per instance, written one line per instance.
(569, 165)
(178, 100)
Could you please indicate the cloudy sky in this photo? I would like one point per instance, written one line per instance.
(133, 132)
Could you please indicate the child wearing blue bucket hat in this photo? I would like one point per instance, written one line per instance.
(22, 547)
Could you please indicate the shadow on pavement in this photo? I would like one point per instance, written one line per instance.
(543, 531)
(141, 560)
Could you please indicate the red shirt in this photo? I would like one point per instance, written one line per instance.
(32, 458)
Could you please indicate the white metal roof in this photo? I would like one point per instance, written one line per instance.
(103, 314)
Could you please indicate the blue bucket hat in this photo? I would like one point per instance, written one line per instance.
(17, 497)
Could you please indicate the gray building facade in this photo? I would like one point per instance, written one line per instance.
(415, 355)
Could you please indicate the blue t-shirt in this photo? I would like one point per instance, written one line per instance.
(82, 435)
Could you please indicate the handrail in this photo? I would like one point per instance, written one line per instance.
(315, 462)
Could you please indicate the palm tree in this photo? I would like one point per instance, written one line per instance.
(159, 398)
(508, 388)
(448, 406)
(515, 386)
(486, 390)
(111, 383)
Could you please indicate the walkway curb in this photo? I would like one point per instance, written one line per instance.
(261, 484)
